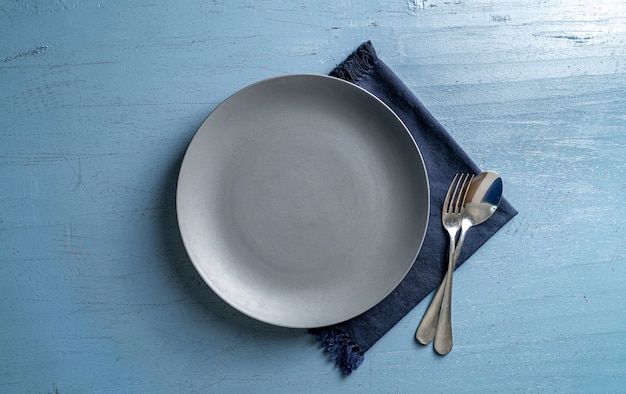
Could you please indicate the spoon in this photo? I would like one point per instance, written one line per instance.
(482, 200)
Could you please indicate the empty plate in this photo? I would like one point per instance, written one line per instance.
(302, 200)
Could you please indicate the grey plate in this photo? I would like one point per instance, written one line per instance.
(302, 200)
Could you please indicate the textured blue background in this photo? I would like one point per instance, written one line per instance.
(98, 101)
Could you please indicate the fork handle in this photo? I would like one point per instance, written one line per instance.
(428, 326)
(443, 334)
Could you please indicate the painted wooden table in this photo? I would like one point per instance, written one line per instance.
(99, 99)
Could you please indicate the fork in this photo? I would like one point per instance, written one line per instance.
(436, 323)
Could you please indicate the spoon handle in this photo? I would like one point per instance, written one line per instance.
(443, 334)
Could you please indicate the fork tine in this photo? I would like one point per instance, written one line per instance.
(451, 191)
(460, 197)
(454, 199)
(467, 186)
(459, 194)
(458, 202)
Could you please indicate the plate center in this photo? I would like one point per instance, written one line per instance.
(297, 210)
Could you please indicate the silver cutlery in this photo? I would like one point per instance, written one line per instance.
(451, 219)
(466, 204)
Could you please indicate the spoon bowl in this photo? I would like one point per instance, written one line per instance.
(483, 197)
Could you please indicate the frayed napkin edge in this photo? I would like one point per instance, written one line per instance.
(340, 348)
(357, 64)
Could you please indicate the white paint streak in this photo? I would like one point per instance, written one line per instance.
(416, 5)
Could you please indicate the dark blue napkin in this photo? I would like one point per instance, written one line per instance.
(347, 342)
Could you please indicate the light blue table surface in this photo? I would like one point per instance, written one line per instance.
(99, 100)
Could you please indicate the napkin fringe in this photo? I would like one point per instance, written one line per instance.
(357, 64)
(340, 348)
